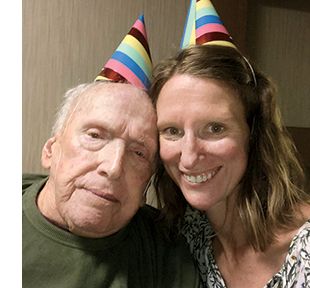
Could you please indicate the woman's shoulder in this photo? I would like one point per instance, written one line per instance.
(297, 265)
(302, 238)
(299, 237)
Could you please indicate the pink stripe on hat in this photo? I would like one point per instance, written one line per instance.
(125, 72)
(208, 28)
(140, 26)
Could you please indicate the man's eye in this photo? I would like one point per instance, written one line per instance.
(140, 154)
(93, 139)
(94, 135)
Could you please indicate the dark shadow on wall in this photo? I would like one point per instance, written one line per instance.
(301, 137)
(300, 5)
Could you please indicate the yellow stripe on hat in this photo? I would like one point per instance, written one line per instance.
(192, 40)
(220, 43)
(138, 47)
(204, 4)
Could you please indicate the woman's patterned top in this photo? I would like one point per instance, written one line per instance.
(295, 271)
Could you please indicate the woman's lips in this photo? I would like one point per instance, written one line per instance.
(201, 177)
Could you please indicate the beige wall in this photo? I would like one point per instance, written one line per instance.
(279, 41)
(66, 42)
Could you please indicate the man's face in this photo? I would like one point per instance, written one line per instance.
(101, 162)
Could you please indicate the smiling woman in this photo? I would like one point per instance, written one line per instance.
(230, 181)
(210, 140)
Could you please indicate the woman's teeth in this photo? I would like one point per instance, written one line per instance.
(201, 178)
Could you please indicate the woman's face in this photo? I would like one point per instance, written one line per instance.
(203, 138)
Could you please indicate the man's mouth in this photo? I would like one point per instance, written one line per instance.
(101, 194)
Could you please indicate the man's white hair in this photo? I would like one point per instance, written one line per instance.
(69, 100)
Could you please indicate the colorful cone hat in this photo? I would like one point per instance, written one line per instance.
(131, 62)
(204, 27)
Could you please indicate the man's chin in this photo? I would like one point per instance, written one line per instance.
(92, 227)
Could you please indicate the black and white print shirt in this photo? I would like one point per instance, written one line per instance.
(295, 272)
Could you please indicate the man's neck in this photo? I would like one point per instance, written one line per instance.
(46, 205)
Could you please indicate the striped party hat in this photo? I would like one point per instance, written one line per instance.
(189, 35)
(204, 27)
(131, 62)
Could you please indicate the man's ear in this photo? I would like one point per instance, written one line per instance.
(47, 151)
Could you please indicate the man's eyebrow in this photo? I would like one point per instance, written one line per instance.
(100, 124)
(145, 142)
(140, 142)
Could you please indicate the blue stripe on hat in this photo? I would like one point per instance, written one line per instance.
(133, 66)
(207, 20)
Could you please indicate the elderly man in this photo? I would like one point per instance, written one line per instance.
(85, 225)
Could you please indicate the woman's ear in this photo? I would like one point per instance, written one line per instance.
(47, 151)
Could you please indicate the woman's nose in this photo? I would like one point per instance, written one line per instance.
(111, 159)
(190, 152)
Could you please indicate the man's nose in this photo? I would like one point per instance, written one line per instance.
(111, 159)
(190, 152)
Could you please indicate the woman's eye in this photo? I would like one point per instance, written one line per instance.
(216, 128)
(171, 133)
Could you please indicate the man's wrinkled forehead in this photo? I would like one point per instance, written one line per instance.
(118, 93)
(110, 100)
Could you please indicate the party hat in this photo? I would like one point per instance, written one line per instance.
(189, 35)
(131, 62)
(204, 27)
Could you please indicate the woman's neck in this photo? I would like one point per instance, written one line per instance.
(226, 223)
